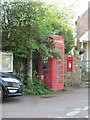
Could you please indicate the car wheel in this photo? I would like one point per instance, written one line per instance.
(1, 94)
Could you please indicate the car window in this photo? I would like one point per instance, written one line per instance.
(4, 76)
(9, 76)
(10, 79)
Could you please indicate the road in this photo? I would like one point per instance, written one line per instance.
(72, 103)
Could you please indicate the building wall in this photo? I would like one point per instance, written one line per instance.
(88, 50)
(75, 75)
(83, 35)
(85, 54)
(87, 47)
(82, 24)
(88, 58)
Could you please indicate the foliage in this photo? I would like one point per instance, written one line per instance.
(68, 13)
(62, 28)
(25, 27)
(37, 87)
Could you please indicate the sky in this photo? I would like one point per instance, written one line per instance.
(82, 5)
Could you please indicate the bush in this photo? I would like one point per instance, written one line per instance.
(37, 87)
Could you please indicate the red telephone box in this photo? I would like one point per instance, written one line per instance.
(69, 64)
(52, 70)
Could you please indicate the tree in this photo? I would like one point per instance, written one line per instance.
(25, 26)
(61, 27)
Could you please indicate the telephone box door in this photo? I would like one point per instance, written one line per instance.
(58, 68)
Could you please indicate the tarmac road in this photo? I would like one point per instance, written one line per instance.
(72, 103)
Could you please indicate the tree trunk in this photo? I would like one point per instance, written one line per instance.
(30, 68)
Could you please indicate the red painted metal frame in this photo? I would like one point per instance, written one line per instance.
(55, 67)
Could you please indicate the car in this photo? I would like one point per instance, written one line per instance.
(10, 86)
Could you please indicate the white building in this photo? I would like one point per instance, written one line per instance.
(83, 37)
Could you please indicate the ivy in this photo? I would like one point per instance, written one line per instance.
(37, 87)
(25, 27)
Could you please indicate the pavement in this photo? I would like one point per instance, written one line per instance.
(72, 103)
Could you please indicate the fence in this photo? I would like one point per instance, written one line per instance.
(85, 70)
(85, 66)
